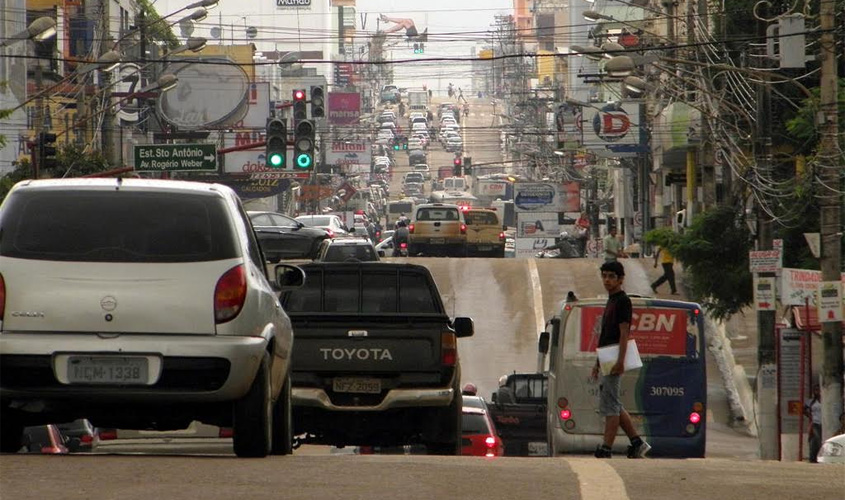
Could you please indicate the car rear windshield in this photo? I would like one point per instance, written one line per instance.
(474, 423)
(368, 291)
(316, 221)
(480, 218)
(341, 253)
(116, 226)
(438, 213)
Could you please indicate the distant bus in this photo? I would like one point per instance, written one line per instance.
(454, 197)
(667, 397)
(396, 208)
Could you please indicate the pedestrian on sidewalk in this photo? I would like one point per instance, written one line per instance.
(615, 329)
(813, 411)
(668, 263)
(612, 246)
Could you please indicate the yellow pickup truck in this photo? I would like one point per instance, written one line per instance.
(437, 229)
(485, 233)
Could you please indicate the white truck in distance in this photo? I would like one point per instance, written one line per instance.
(418, 99)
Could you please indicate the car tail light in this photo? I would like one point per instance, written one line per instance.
(410, 228)
(86, 439)
(448, 349)
(463, 229)
(502, 236)
(229, 294)
(695, 417)
(490, 441)
(330, 233)
(2, 297)
(108, 434)
(225, 432)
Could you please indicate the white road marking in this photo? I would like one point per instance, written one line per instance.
(597, 479)
(537, 290)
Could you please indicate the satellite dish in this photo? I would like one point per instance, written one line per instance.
(187, 28)
(216, 32)
(252, 32)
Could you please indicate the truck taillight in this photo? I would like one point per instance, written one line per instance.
(229, 294)
(410, 228)
(463, 229)
(448, 349)
(2, 297)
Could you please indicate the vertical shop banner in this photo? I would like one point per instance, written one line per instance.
(344, 108)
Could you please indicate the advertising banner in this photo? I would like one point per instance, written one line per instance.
(546, 197)
(250, 160)
(537, 225)
(344, 108)
(791, 362)
(349, 154)
(796, 285)
(248, 188)
(611, 124)
(527, 248)
(258, 100)
(658, 331)
(490, 188)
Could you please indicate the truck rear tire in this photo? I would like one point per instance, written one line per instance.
(253, 416)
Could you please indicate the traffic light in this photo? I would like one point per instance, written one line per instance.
(419, 48)
(456, 167)
(303, 145)
(46, 150)
(468, 165)
(318, 102)
(277, 143)
(299, 107)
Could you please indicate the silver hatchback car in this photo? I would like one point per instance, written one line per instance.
(140, 304)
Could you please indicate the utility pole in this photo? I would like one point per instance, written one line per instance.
(768, 435)
(39, 117)
(830, 176)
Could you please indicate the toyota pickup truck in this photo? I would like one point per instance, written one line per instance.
(519, 412)
(375, 360)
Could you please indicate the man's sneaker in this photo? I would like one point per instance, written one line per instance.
(602, 452)
(639, 451)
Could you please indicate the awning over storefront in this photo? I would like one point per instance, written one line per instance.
(807, 318)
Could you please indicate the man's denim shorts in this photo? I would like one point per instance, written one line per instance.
(609, 402)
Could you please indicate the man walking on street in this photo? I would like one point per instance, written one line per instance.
(813, 410)
(612, 246)
(615, 329)
(668, 263)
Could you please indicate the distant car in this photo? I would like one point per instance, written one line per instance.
(283, 237)
(44, 439)
(479, 437)
(347, 250)
(833, 450)
(330, 223)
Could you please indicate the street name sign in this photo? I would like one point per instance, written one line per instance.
(176, 158)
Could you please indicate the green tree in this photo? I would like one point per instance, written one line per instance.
(714, 253)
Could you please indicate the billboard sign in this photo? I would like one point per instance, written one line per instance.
(537, 225)
(344, 108)
(209, 95)
(611, 125)
(546, 197)
(258, 110)
(349, 154)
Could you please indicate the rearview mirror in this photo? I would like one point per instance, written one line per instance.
(288, 277)
(464, 327)
(544, 342)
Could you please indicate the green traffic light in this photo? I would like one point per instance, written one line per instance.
(396, 147)
(303, 161)
(276, 160)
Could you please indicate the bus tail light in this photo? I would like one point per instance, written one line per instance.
(565, 414)
(448, 349)
(695, 417)
(562, 403)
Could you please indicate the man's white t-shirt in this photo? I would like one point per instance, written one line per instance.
(815, 407)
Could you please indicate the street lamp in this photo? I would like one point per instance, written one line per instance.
(194, 44)
(590, 52)
(39, 30)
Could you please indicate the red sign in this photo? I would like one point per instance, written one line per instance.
(344, 108)
(658, 331)
(346, 192)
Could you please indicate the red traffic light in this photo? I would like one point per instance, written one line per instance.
(298, 95)
(457, 162)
